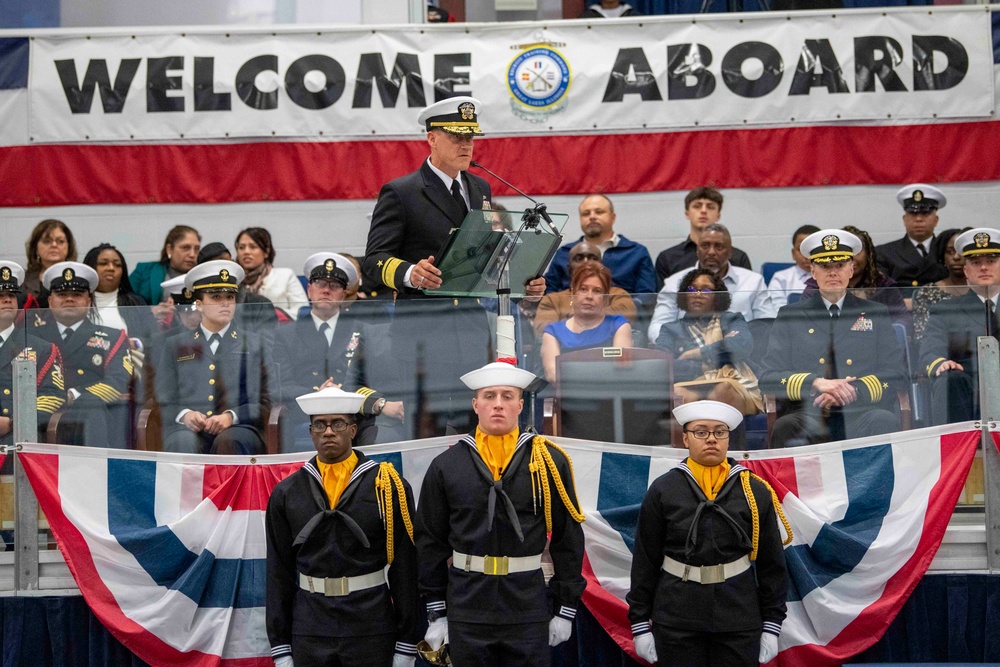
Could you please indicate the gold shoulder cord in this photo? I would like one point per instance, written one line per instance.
(541, 466)
(385, 480)
(745, 481)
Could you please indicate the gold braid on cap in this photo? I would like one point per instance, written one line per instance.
(385, 480)
(755, 539)
(541, 466)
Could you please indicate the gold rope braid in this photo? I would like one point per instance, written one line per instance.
(385, 480)
(778, 509)
(745, 481)
(541, 465)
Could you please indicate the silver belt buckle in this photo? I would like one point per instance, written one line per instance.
(334, 587)
(713, 574)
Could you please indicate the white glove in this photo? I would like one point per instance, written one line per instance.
(768, 647)
(284, 661)
(645, 647)
(559, 630)
(400, 660)
(437, 633)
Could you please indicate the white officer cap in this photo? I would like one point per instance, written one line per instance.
(978, 242)
(181, 295)
(714, 410)
(219, 275)
(918, 197)
(331, 266)
(11, 277)
(830, 245)
(330, 401)
(458, 115)
(70, 276)
(498, 374)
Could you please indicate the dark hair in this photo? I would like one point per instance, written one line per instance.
(708, 193)
(942, 240)
(590, 270)
(212, 251)
(124, 286)
(723, 299)
(261, 237)
(870, 273)
(804, 229)
(173, 236)
(41, 230)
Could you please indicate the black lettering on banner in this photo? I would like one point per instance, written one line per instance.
(631, 75)
(924, 76)
(336, 81)
(371, 72)
(770, 60)
(80, 97)
(205, 97)
(158, 83)
(818, 52)
(246, 86)
(877, 57)
(446, 76)
(688, 77)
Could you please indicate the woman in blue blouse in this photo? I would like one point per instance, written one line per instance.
(588, 326)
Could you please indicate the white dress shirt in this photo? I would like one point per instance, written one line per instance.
(786, 282)
(332, 322)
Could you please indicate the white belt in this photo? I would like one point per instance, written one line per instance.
(496, 565)
(706, 574)
(339, 586)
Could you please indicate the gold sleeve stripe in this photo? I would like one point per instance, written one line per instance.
(364, 391)
(794, 385)
(389, 271)
(104, 392)
(127, 363)
(931, 366)
(874, 387)
(49, 404)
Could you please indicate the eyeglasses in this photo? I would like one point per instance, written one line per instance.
(337, 425)
(720, 434)
(704, 290)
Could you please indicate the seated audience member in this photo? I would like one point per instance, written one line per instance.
(702, 207)
(609, 9)
(97, 365)
(15, 341)
(211, 383)
(949, 350)
(253, 311)
(185, 318)
(871, 284)
(750, 297)
(832, 356)
(792, 280)
(255, 253)
(589, 326)
(559, 305)
(955, 284)
(629, 262)
(711, 346)
(327, 349)
(177, 256)
(913, 259)
(118, 306)
(50, 242)
(354, 292)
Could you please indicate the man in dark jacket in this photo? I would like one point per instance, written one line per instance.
(912, 260)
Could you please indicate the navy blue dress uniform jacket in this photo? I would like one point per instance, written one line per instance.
(413, 218)
(452, 515)
(334, 548)
(49, 382)
(744, 602)
(96, 360)
(864, 346)
(953, 327)
(901, 261)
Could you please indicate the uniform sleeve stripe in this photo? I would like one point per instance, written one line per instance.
(567, 612)
(874, 387)
(283, 649)
(389, 272)
(406, 649)
(439, 605)
(641, 628)
(772, 628)
(931, 366)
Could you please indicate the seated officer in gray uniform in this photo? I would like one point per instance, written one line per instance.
(211, 383)
(487, 504)
(695, 599)
(332, 528)
(15, 342)
(327, 349)
(97, 366)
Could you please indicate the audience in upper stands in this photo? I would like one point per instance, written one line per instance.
(912, 260)
(117, 304)
(589, 325)
(955, 284)
(177, 256)
(702, 207)
(50, 242)
(750, 297)
(255, 253)
(254, 312)
(792, 280)
(629, 262)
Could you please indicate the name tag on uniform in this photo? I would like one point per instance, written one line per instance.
(863, 324)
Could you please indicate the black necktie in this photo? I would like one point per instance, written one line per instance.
(921, 249)
(993, 323)
(67, 333)
(323, 328)
(835, 311)
(456, 192)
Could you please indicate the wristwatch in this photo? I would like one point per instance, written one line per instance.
(379, 406)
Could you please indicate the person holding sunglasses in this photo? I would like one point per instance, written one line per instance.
(332, 528)
(695, 599)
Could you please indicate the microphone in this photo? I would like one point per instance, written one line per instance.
(531, 216)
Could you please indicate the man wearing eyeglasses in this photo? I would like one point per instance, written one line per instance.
(695, 600)
(332, 529)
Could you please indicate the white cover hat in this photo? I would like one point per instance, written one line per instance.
(71, 275)
(498, 374)
(715, 410)
(330, 401)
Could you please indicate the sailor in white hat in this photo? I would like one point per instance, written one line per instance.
(913, 260)
(695, 599)
(332, 528)
(487, 504)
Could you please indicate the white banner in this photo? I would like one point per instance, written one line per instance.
(571, 76)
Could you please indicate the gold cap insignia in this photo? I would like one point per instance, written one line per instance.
(188, 293)
(468, 110)
(982, 239)
(224, 275)
(68, 274)
(831, 242)
(918, 195)
(329, 265)
(5, 273)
